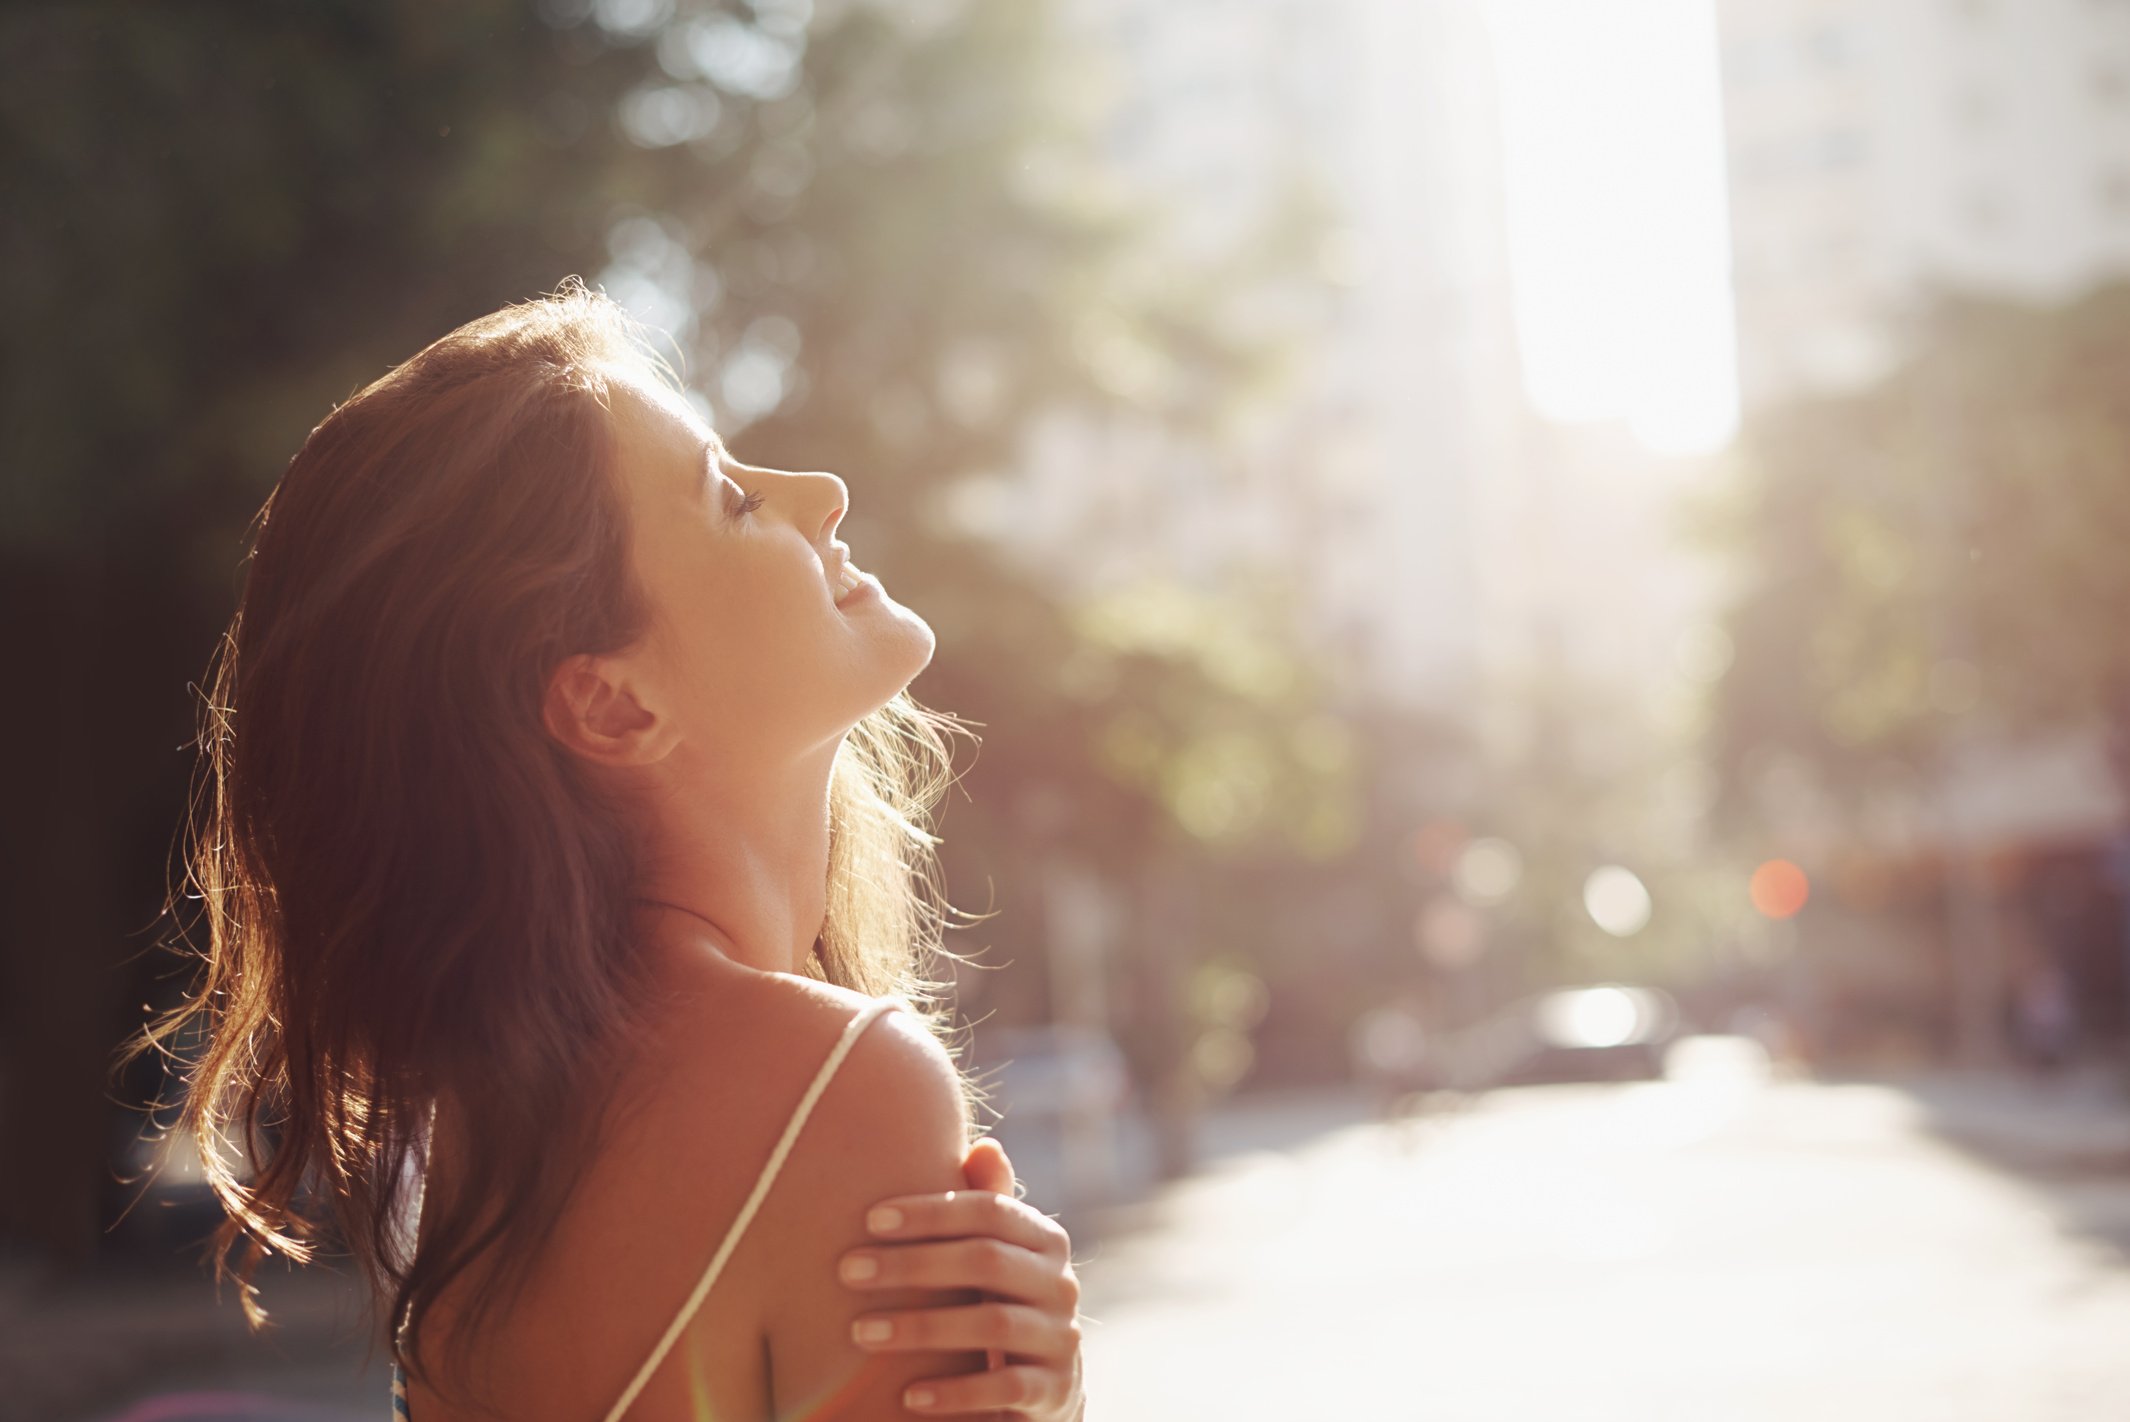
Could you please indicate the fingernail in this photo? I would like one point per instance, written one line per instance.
(884, 1220)
(858, 1268)
(872, 1330)
(919, 1397)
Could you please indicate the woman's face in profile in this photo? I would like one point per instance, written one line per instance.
(764, 638)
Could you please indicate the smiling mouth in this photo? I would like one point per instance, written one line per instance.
(851, 582)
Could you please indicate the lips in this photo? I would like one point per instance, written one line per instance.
(848, 581)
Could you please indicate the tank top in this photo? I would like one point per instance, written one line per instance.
(694, 1302)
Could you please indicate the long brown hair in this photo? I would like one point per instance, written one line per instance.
(412, 894)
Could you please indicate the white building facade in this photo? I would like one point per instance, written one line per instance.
(1374, 123)
(1880, 149)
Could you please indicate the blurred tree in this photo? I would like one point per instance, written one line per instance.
(1939, 554)
(880, 240)
(219, 219)
(1934, 570)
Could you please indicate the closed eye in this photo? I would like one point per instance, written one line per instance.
(738, 502)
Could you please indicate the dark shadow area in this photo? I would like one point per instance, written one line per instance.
(148, 1340)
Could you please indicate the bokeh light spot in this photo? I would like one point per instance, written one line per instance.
(1780, 889)
(1592, 1017)
(1487, 872)
(1617, 901)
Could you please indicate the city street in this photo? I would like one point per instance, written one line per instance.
(1562, 559)
(1718, 1248)
(1714, 1249)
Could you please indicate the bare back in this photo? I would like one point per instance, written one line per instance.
(696, 1119)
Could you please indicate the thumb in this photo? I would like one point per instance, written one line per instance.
(987, 1168)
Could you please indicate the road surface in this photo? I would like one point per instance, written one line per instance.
(1721, 1249)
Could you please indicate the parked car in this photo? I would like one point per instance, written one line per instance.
(1605, 1032)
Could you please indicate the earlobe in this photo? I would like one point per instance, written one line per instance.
(594, 714)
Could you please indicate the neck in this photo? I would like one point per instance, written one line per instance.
(742, 857)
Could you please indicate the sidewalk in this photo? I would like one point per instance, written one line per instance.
(2077, 1123)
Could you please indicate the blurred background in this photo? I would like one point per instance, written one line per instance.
(1544, 583)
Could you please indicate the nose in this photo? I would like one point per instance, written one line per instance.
(815, 503)
(833, 496)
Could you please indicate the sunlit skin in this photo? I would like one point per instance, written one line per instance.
(723, 722)
(720, 730)
(982, 1237)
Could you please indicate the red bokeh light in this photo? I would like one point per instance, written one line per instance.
(1437, 844)
(1780, 889)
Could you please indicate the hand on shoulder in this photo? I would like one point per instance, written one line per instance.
(891, 1122)
(1028, 1323)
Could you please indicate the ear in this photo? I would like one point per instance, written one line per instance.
(592, 710)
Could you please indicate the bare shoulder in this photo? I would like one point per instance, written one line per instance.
(892, 1119)
(891, 1122)
(898, 1074)
(897, 1070)
(713, 1089)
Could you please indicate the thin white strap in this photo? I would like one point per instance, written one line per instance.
(768, 1177)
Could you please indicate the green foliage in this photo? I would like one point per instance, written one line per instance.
(884, 239)
(222, 217)
(1229, 736)
(1946, 544)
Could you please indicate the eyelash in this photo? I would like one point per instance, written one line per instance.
(745, 505)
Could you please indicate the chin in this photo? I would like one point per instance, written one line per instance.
(916, 637)
(895, 659)
(930, 644)
(920, 658)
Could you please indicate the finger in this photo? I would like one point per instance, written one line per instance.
(1022, 1388)
(1010, 1327)
(986, 1167)
(976, 1262)
(962, 1212)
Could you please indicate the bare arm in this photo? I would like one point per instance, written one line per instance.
(892, 1123)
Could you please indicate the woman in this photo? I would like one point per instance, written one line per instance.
(569, 899)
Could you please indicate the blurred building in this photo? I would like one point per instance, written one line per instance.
(1339, 164)
(1881, 148)
(1881, 151)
